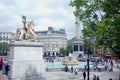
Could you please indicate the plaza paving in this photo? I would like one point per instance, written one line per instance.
(2, 76)
(68, 76)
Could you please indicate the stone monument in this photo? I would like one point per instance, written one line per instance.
(27, 29)
(77, 42)
(25, 60)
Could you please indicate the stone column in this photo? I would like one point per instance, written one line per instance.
(77, 27)
(26, 62)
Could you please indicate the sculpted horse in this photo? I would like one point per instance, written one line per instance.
(21, 31)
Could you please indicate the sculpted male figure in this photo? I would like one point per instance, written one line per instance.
(24, 23)
(27, 28)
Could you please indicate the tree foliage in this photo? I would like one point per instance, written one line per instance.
(67, 50)
(4, 47)
(101, 20)
(62, 50)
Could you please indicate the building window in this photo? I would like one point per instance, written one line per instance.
(7, 37)
(75, 47)
(81, 48)
(56, 49)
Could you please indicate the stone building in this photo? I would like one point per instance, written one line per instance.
(52, 40)
(6, 36)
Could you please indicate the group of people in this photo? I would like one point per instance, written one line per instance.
(72, 70)
(4, 67)
(95, 77)
(75, 71)
(49, 59)
(107, 63)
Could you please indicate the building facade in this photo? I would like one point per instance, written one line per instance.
(52, 40)
(6, 36)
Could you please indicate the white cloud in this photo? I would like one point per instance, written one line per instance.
(22, 3)
(43, 10)
(44, 13)
(62, 11)
(2, 7)
(49, 22)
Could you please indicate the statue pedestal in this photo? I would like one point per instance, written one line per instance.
(78, 47)
(26, 62)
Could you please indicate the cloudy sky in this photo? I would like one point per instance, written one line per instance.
(44, 13)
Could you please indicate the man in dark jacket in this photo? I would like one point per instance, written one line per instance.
(6, 69)
(84, 75)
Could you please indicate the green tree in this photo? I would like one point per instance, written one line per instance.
(63, 51)
(101, 20)
(4, 47)
(69, 49)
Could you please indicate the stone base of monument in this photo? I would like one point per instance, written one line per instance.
(26, 62)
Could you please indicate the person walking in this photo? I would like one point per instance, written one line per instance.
(6, 69)
(72, 69)
(85, 67)
(98, 78)
(84, 75)
(94, 77)
(76, 71)
(1, 63)
(66, 68)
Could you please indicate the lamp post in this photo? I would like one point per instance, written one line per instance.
(88, 65)
(88, 58)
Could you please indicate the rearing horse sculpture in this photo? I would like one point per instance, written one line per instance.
(21, 31)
